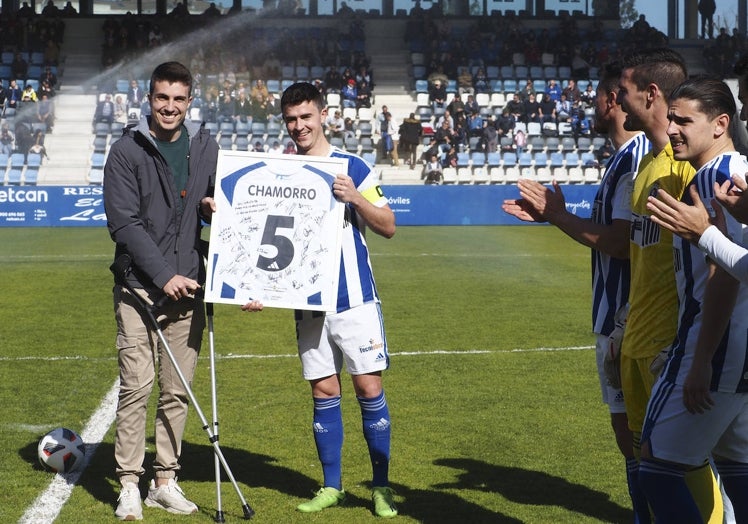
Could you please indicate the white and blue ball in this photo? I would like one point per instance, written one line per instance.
(61, 450)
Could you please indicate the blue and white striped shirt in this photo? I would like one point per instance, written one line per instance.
(611, 276)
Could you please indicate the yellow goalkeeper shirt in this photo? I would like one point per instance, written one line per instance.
(653, 299)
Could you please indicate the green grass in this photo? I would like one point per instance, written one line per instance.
(486, 427)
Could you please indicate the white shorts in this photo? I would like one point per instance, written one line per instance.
(355, 336)
(613, 397)
(675, 435)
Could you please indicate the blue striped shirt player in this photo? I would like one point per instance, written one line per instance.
(611, 276)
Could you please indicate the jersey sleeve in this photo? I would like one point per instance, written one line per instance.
(367, 181)
(622, 198)
(730, 256)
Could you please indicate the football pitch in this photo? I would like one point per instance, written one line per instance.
(495, 403)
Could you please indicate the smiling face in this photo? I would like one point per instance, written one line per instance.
(169, 104)
(304, 125)
(692, 133)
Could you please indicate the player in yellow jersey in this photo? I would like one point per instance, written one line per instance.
(647, 79)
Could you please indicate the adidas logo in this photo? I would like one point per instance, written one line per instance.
(380, 357)
(319, 428)
(382, 425)
(274, 265)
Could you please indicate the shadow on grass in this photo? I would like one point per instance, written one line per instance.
(249, 469)
(534, 488)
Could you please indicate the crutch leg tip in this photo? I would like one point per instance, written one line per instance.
(219, 517)
(248, 512)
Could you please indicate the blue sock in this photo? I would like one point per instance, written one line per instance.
(734, 476)
(665, 488)
(328, 436)
(638, 500)
(375, 418)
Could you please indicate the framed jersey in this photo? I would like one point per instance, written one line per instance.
(276, 233)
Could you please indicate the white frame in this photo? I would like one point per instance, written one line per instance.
(277, 231)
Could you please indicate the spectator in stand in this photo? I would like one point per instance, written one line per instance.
(480, 81)
(588, 95)
(363, 95)
(45, 113)
(28, 94)
(7, 140)
(444, 135)
(209, 109)
(290, 148)
(475, 125)
(457, 107)
(37, 148)
(212, 11)
(363, 75)
(50, 10)
(261, 109)
(19, 68)
(226, 109)
(45, 89)
(450, 157)
(120, 109)
(349, 93)
(490, 136)
(104, 110)
(471, 106)
(547, 109)
(49, 76)
(242, 108)
(14, 95)
(335, 125)
(554, 90)
(390, 137)
(505, 123)
(528, 90)
(433, 172)
(446, 116)
(515, 107)
(572, 91)
(706, 10)
(333, 80)
(465, 82)
(563, 109)
(531, 110)
(520, 141)
(438, 94)
(411, 131)
(135, 95)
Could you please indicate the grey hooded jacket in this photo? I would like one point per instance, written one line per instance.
(142, 205)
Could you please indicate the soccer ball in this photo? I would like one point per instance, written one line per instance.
(61, 450)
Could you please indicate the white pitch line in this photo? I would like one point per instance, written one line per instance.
(48, 504)
(232, 356)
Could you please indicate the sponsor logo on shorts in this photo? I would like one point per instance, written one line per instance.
(380, 357)
(371, 346)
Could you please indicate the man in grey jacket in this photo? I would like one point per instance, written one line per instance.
(158, 186)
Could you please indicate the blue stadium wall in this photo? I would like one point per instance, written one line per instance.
(82, 206)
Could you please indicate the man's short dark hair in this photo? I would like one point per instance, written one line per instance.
(301, 92)
(712, 95)
(661, 66)
(171, 72)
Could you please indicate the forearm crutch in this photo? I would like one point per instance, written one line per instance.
(120, 268)
(211, 346)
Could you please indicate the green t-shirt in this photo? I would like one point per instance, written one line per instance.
(177, 157)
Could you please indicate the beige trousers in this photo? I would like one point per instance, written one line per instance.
(140, 352)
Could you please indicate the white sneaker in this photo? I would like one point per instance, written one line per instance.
(169, 497)
(128, 504)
